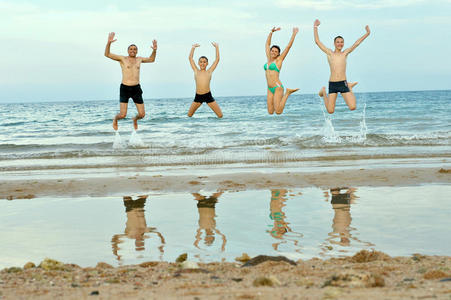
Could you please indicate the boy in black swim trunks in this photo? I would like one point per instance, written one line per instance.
(203, 78)
(337, 63)
(130, 87)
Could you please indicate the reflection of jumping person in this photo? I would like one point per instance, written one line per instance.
(337, 63)
(203, 78)
(136, 226)
(341, 223)
(130, 87)
(207, 214)
(280, 226)
(276, 98)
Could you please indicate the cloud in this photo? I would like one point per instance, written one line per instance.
(31, 21)
(346, 4)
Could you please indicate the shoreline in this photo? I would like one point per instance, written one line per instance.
(366, 275)
(237, 181)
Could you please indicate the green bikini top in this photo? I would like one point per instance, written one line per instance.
(272, 67)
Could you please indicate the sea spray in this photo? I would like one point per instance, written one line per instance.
(135, 140)
(363, 128)
(361, 138)
(329, 134)
(118, 143)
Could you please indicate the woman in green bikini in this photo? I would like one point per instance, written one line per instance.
(276, 97)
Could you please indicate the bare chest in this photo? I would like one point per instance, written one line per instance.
(203, 76)
(337, 59)
(129, 65)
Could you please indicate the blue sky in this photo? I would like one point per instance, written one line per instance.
(53, 50)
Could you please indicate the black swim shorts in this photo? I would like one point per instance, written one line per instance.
(207, 98)
(135, 92)
(341, 198)
(338, 87)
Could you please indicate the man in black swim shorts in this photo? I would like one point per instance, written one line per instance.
(204, 98)
(135, 92)
(130, 87)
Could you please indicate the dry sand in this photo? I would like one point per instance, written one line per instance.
(366, 275)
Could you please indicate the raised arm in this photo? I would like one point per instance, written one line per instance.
(152, 56)
(107, 48)
(357, 43)
(268, 42)
(317, 41)
(290, 43)
(190, 57)
(215, 63)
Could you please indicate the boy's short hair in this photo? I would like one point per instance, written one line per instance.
(203, 57)
(132, 46)
(338, 37)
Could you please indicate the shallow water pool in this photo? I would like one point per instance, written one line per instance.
(221, 225)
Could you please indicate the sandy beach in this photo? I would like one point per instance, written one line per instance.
(141, 184)
(370, 275)
(366, 275)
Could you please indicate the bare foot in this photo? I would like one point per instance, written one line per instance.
(291, 91)
(322, 91)
(115, 124)
(352, 84)
(135, 123)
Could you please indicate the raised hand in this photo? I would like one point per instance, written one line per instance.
(295, 30)
(274, 29)
(367, 28)
(316, 23)
(154, 45)
(215, 44)
(111, 37)
(196, 45)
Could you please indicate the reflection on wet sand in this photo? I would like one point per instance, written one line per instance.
(207, 222)
(136, 227)
(341, 235)
(280, 225)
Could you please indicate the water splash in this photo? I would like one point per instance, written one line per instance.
(361, 138)
(118, 143)
(363, 128)
(135, 140)
(329, 134)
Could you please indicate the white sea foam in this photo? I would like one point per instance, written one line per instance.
(118, 143)
(135, 140)
(329, 133)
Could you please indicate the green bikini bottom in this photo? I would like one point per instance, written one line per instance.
(273, 89)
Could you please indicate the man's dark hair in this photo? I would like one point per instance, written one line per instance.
(338, 37)
(203, 57)
(275, 46)
(132, 45)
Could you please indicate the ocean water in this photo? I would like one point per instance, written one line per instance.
(221, 225)
(386, 127)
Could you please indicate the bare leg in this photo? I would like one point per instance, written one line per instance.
(350, 100)
(329, 101)
(122, 114)
(270, 102)
(352, 84)
(141, 114)
(215, 107)
(283, 101)
(278, 95)
(194, 106)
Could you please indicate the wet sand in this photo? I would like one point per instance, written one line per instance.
(141, 184)
(366, 275)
